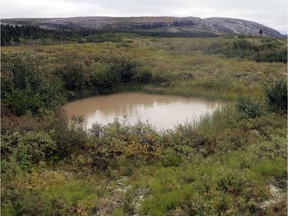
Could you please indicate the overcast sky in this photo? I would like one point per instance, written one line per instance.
(272, 13)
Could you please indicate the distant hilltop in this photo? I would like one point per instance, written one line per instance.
(214, 25)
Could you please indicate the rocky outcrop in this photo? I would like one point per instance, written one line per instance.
(242, 27)
(215, 25)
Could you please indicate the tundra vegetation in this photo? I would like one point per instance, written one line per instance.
(226, 164)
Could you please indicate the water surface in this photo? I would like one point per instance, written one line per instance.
(161, 111)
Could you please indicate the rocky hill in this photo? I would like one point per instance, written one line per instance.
(215, 25)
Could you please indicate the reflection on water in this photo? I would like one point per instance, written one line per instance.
(161, 111)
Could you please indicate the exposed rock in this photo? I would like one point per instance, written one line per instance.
(242, 27)
(277, 196)
(215, 25)
(121, 195)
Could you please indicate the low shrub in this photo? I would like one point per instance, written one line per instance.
(276, 94)
(170, 158)
(143, 75)
(69, 140)
(249, 107)
(25, 202)
(268, 168)
(268, 50)
(23, 101)
(32, 146)
(21, 151)
(243, 44)
(164, 79)
(271, 56)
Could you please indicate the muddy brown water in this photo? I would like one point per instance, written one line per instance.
(163, 112)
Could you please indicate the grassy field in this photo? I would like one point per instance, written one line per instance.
(180, 65)
(232, 163)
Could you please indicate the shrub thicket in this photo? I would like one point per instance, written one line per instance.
(26, 87)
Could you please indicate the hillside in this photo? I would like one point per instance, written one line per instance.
(214, 26)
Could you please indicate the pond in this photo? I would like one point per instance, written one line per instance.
(161, 111)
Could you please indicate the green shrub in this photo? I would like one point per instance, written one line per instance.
(277, 95)
(26, 87)
(69, 140)
(75, 77)
(110, 77)
(21, 70)
(271, 150)
(269, 50)
(125, 69)
(249, 107)
(26, 202)
(23, 101)
(108, 37)
(20, 151)
(271, 55)
(243, 44)
(269, 168)
(120, 139)
(143, 75)
(170, 158)
(105, 79)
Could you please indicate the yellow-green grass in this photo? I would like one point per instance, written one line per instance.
(209, 75)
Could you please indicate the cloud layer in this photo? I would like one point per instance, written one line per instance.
(267, 12)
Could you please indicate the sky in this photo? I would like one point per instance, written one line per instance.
(272, 13)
